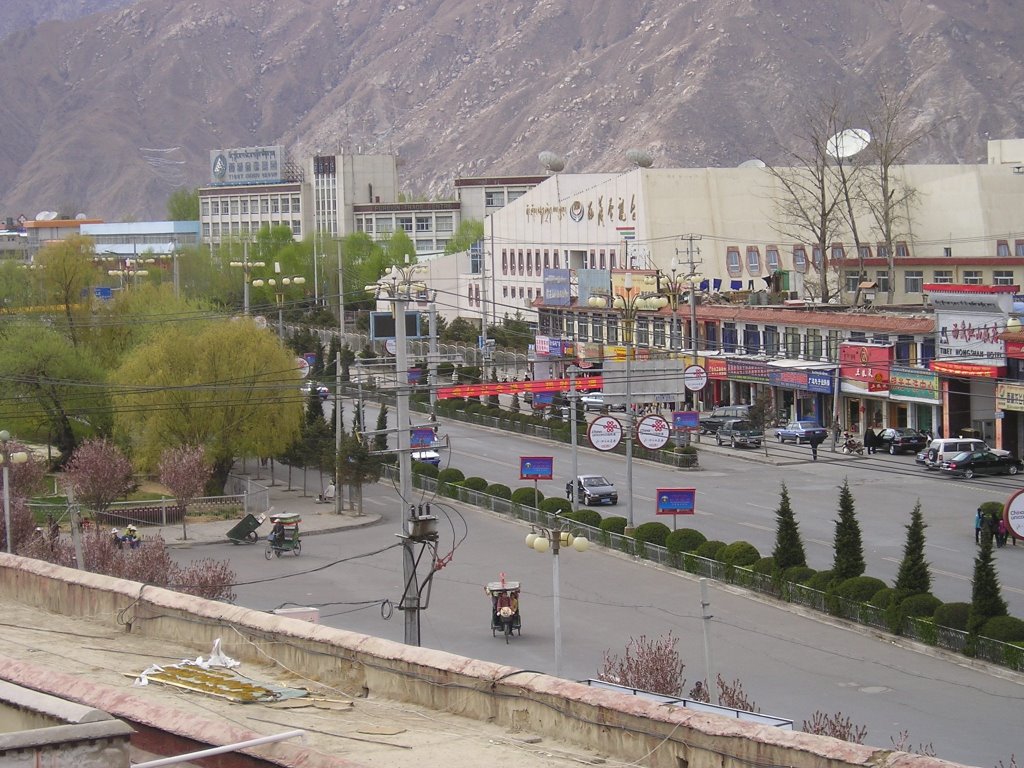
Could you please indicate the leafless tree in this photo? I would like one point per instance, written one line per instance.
(650, 665)
(837, 726)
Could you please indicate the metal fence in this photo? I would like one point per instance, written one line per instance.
(921, 630)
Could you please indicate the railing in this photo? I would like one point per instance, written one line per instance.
(921, 630)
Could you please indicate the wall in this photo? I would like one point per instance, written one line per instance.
(624, 727)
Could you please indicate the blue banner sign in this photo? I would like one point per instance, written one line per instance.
(676, 501)
(536, 467)
(685, 419)
(421, 437)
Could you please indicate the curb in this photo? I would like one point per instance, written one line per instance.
(364, 521)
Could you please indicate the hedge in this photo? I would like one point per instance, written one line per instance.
(860, 588)
(953, 615)
(740, 553)
(799, 574)
(614, 524)
(497, 489)
(475, 483)
(528, 497)
(450, 475)
(652, 533)
(765, 566)
(422, 468)
(555, 505)
(710, 549)
(821, 581)
(585, 516)
(921, 605)
(684, 540)
(1008, 629)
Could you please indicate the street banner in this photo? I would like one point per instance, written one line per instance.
(536, 467)
(676, 501)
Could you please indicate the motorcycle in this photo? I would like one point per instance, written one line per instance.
(852, 445)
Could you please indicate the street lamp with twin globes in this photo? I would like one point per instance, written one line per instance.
(541, 539)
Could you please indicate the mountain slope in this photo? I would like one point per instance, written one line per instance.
(110, 112)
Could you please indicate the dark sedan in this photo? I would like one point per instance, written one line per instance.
(902, 440)
(971, 463)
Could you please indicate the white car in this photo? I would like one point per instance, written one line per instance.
(594, 401)
(321, 390)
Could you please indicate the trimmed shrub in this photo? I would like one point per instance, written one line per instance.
(652, 533)
(586, 516)
(684, 540)
(922, 606)
(882, 597)
(740, 553)
(953, 615)
(799, 574)
(765, 566)
(1007, 629)
(860, 588)
(821, 581)
(450, 475)
(893, 614)
(498, 490)
(422, 468)
(710, 549)
(475, 483)
(613, 524)
(473, 408)
(555, 505)
(528, 497)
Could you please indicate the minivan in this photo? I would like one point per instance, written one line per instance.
(944, 448)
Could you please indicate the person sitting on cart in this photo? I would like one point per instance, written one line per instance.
(277, 534)
(508, 600)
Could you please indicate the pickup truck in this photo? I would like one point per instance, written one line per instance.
(711, 423)
(737, 432)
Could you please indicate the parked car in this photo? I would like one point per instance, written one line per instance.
(971, 463)
(593, 489)
(801, 432)
(321, 390)
(737, 432)
(711, 423)
(427, 457)
(901, 440)
(594, 401)
(942, 448)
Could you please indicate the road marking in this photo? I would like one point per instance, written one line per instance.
(957, 575)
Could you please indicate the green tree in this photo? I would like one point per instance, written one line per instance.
(380, 440)
(397, 247)
(849, 549)
(914, 575)
(986, 597)
(789, 548)
(68, 272)
(59, 391)
(470, 231)
(225, 385)
(17, 286)
(461, 330)
(183, 204)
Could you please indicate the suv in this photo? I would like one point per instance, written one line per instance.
(737, 432)
(593, 489)
(711, 423)
(945, 448)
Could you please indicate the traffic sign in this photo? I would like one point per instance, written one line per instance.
(695, 378)
(652, 432)
(604, 433)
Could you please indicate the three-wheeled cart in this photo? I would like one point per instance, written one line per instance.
(505, 616)
(244, 531)
(284, 536)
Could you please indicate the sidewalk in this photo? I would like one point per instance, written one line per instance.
(316, 518)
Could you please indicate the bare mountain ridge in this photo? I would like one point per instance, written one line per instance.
(108, 113)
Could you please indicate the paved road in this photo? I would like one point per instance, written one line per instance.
(790, 664)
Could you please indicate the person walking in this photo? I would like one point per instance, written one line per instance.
(978, 518)
(1001, 533)
(815, 440)
(870, 444)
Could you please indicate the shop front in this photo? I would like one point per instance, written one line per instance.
(802, 393)
(1010, 415)
(865, 372)
(745, 377)
(914, 399)
(968, 392)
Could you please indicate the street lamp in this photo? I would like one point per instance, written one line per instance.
(246, 266)
(540, 539)
(8, 458)
(675, 284)
(279, 284)
(628, 302)
(130, 272)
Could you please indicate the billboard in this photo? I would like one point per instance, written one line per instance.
(382, 325)
(675, 501)
(536, 467)
(865, 367)
(247, 165)
(556, 287)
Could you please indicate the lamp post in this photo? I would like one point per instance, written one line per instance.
(398, 286)
(676, 282)
(246, 266)
(279, 284)
(8, 458)
(130, 272)
(540, 539)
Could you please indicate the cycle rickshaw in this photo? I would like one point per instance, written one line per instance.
(285, 536)
(505, 616)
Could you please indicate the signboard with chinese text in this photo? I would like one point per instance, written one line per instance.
(536, 467)
(913, 384)
(517, 387)
(972, 336)
(592, 282)
(695, 378)
(747, 370)
(604, 433)
(1013, 514)
(865, 368)
(247, 165)
(1009, 397)
(967, 370)
(421, 437)
(716, 368)
(652, 432)
(556, 287)
(676, 501)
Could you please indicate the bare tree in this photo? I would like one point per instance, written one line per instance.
(838, 726)
(650, 665)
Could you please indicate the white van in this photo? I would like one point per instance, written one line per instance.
(945, 448)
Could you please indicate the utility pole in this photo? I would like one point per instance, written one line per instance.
(432, 356)
(692, 251)
(338, 494)
(410, 602)
(572, 435)
(483, 305)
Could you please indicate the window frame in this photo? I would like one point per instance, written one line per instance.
(799, 259)
(733, 262)
(753, 261)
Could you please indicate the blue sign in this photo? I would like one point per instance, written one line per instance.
(685, 419)
(421, 437)
(543, 399)
(556, 287)
(676, 501)
(102, 292)
(819, 381)
(536, 467)
(415, 375)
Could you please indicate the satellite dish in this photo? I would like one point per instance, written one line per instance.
(641, 158)
(46, 215)
(41, 216)
(551, 162)
(80, 217)
(752, 163)
(847, 143)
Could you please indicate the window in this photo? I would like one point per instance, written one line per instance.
(838, 252)
(1002, 249)
(593, 259)
(812, 344)
(443, 224)
(504, 291)
(972, 277)
(835, 338)
(529, 293)
(275, 205)
(858, 336)
(234, 206)
(851, 279)
(882, 279)
(555, 260)
(476, 295)
(405, 223)
(285, 205)
(799, 258)
(643, 335)
(883, 251)
(264, 205)
(611, 259)
(515, 194)
(295, 204)
(600, 259)
(753, 261)
(1002, 277)
(771, 340)
(215, 207)
(529, 262)
(598, 327)
(771, 258)
(732, 261)
(880, 338)
(582, 328)
(751, 339)
(864, 252)
(245, 206)
(913, 281)
(547, 259)
(422, 223)
(817, 257)
(943, 276)
(385, 226)
(520, 262)
(613, 331)
(904, 349)
(711, 336)
(659, 333)
(216, 230)
(206, 229)
(792, 343)
(1018, 249)
(504, 262)
(927, 350)
(536, 261)
(296, 228)
(902, 251)
(205, 208)
(494, 198)
(729, 338)
(521, 294)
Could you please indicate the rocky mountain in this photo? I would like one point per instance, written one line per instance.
(18, 14)
(107, 113)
